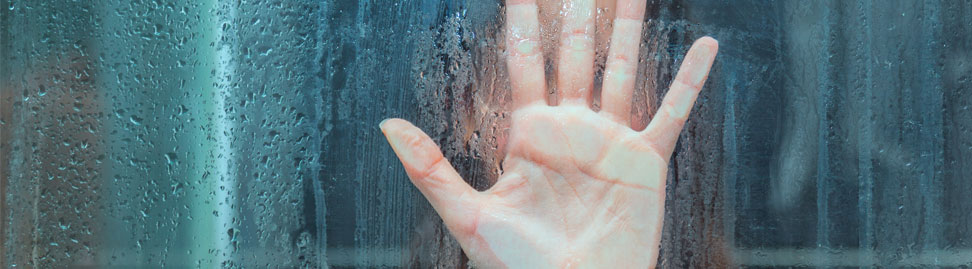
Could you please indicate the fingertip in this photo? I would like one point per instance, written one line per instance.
(415, 149)
(711, 44)
(391, 124)
(383, 126)
(695, 69)
(394, 129)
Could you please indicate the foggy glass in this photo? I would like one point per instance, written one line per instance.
(208, 133)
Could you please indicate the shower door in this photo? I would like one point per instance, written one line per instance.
(215, 133)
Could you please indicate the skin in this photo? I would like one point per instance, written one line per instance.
(580, 188)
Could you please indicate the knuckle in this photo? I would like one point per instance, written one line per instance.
(623, 60)
(619, 70)
(577, 41)
(681, 82)
(521, 46)
(674, 116)
(428, 173)
(413, 140)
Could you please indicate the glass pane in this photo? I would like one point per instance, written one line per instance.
(159, 134)
(244, 133)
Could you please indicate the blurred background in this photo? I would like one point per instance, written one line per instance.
(214, 133)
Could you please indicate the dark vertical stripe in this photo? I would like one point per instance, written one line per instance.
(863, 59)
(823, 80)
(931, 133)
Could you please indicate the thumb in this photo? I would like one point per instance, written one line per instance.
(454, 200)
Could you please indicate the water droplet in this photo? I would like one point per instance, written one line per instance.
(135, 119)
(171, 157)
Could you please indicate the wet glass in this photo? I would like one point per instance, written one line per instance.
(244, 133)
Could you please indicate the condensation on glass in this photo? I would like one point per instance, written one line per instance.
(244, 133)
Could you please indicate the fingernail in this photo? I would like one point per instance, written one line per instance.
(381, 125)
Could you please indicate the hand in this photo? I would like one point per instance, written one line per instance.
(580, 188)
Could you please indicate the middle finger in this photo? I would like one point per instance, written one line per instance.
(575, 66)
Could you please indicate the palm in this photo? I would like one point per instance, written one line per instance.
(567, 193)
(580, 188)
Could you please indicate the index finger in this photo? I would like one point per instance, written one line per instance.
(664, 128)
